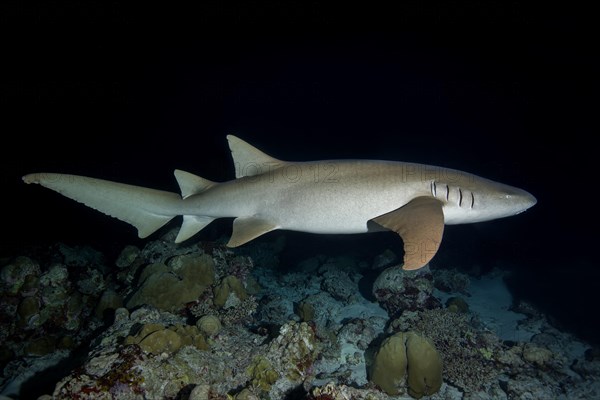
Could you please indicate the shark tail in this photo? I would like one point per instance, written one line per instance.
(146, 209)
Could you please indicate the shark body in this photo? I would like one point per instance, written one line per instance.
(331, 196)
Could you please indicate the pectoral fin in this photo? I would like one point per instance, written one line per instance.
(247, 228)
(420, 223)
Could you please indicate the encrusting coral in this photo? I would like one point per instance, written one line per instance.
(170, 287)
(398, 290)
(459, 344)
(229, 286)
(156, 339)
(209, 325)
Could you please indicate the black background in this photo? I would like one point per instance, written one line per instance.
(505, 90)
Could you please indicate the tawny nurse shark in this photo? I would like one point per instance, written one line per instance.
(324, 197)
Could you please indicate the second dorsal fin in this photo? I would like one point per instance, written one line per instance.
(190, 184)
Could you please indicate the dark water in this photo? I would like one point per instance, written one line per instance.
(513, 105)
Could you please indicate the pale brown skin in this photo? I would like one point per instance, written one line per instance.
(337, 196)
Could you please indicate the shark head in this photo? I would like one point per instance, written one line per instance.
(501, 200)
(478, 199)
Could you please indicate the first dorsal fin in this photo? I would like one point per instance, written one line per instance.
(248, 160)
(191, 184)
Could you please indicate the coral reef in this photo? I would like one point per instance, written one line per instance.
(209, 325)
(451, 281)
(424, 366)
(229, 293)
(156, 339)
(466, 351)
(128, 255)
(457, 304)
(398, 290)
(15, 274)
(389, 366)
(385, 259)
(199, 321)
(170, 287)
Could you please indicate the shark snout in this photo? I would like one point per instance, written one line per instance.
(522, 199)
(531, 200)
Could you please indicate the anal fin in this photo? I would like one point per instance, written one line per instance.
(420, 223)
(247, 228)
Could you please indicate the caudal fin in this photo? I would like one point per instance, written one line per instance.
(146, 209)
